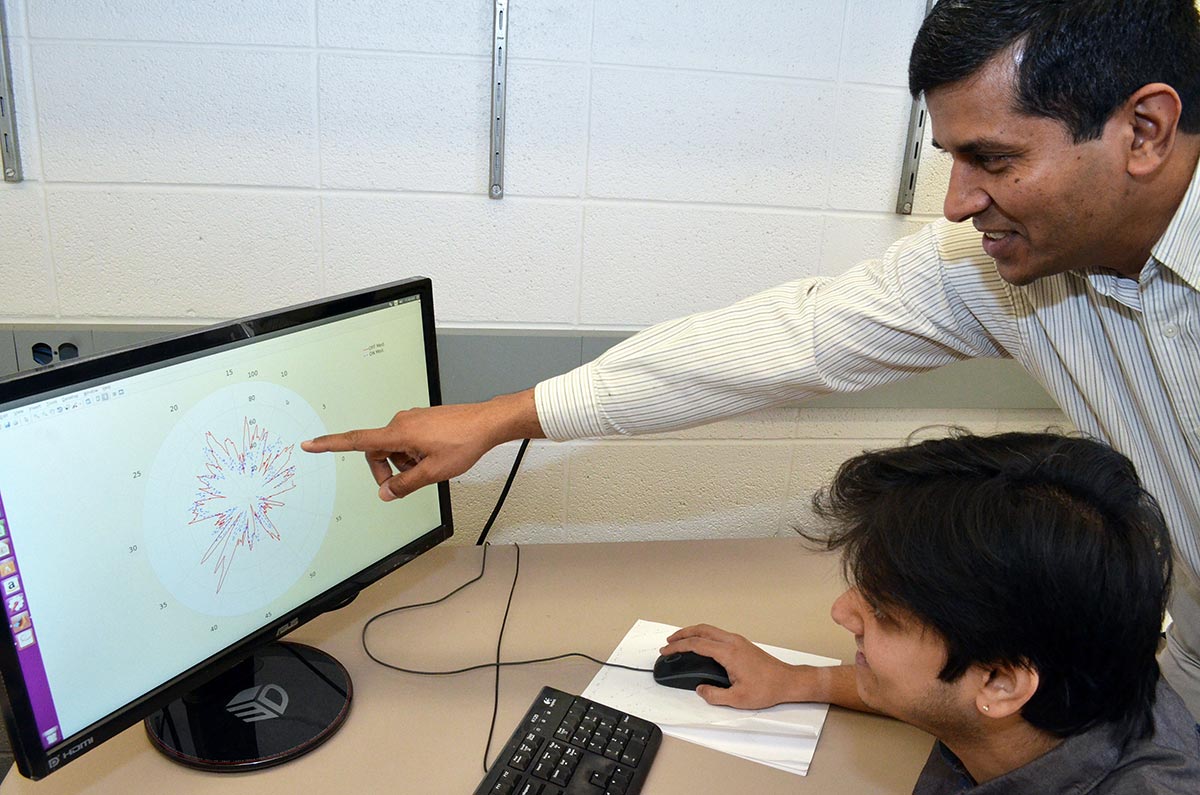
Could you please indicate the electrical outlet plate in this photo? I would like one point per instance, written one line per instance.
(54, 340)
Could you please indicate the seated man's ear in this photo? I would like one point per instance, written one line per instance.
(1005, 690)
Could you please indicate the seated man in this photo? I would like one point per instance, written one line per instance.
(1006, 595)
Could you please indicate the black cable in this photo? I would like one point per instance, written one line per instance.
(480, 666)
(512, 474)
(487, 747)
(483, 567)
(498, 663)
(439, 600)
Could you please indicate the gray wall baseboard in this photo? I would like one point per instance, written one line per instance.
(479, 364)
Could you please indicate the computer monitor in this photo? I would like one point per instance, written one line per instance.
(159, 523)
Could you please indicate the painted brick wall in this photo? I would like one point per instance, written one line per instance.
(196, 161)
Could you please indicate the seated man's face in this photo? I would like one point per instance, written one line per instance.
(896, 668)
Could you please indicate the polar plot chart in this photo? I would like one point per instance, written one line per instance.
(235, 512)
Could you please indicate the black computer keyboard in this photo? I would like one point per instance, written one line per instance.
(568, 745)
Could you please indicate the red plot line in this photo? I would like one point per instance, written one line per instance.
(237, 492)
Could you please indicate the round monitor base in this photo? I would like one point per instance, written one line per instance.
(280, 703)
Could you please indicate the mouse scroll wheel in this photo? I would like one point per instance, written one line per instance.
(672, 657)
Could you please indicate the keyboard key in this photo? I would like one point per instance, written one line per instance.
(554, 752)
(506, 783)
(613, 750)
(570, 760)
(561, 775)
(544, 768)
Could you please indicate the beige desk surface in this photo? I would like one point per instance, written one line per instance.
(410, 734)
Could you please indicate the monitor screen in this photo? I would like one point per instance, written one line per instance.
(158, 519)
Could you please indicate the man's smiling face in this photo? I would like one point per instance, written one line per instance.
(1043, 203)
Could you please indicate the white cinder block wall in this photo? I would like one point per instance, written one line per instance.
(187, 162)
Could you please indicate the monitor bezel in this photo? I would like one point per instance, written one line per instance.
(32, 760)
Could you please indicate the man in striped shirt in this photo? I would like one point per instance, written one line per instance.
(1074, 129)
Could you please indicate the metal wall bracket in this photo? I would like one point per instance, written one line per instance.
(499, 78)
(912, 158)
(912, 150)
(10, 153)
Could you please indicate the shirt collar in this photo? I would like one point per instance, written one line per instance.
(1179, 247)
(1119, 289)
(1075, 765)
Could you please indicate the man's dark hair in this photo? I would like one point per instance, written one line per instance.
(1036, 550)
(1079, 59)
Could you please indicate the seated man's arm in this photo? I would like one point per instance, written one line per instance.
(760, 680)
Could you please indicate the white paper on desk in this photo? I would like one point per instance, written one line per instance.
(784, 736)
(785, 753)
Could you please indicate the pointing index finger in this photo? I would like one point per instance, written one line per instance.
(362, 440)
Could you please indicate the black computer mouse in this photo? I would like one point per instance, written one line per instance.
(687, 670)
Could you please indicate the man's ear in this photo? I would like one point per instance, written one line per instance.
(1006, 689)
(1152, 114)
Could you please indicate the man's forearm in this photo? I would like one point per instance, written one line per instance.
(833, 685)
(514, 417)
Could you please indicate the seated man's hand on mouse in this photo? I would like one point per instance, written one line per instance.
(757, 680)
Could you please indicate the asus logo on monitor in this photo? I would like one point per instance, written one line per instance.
(286, 628)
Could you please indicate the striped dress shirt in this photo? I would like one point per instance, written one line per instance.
(1121, 358)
